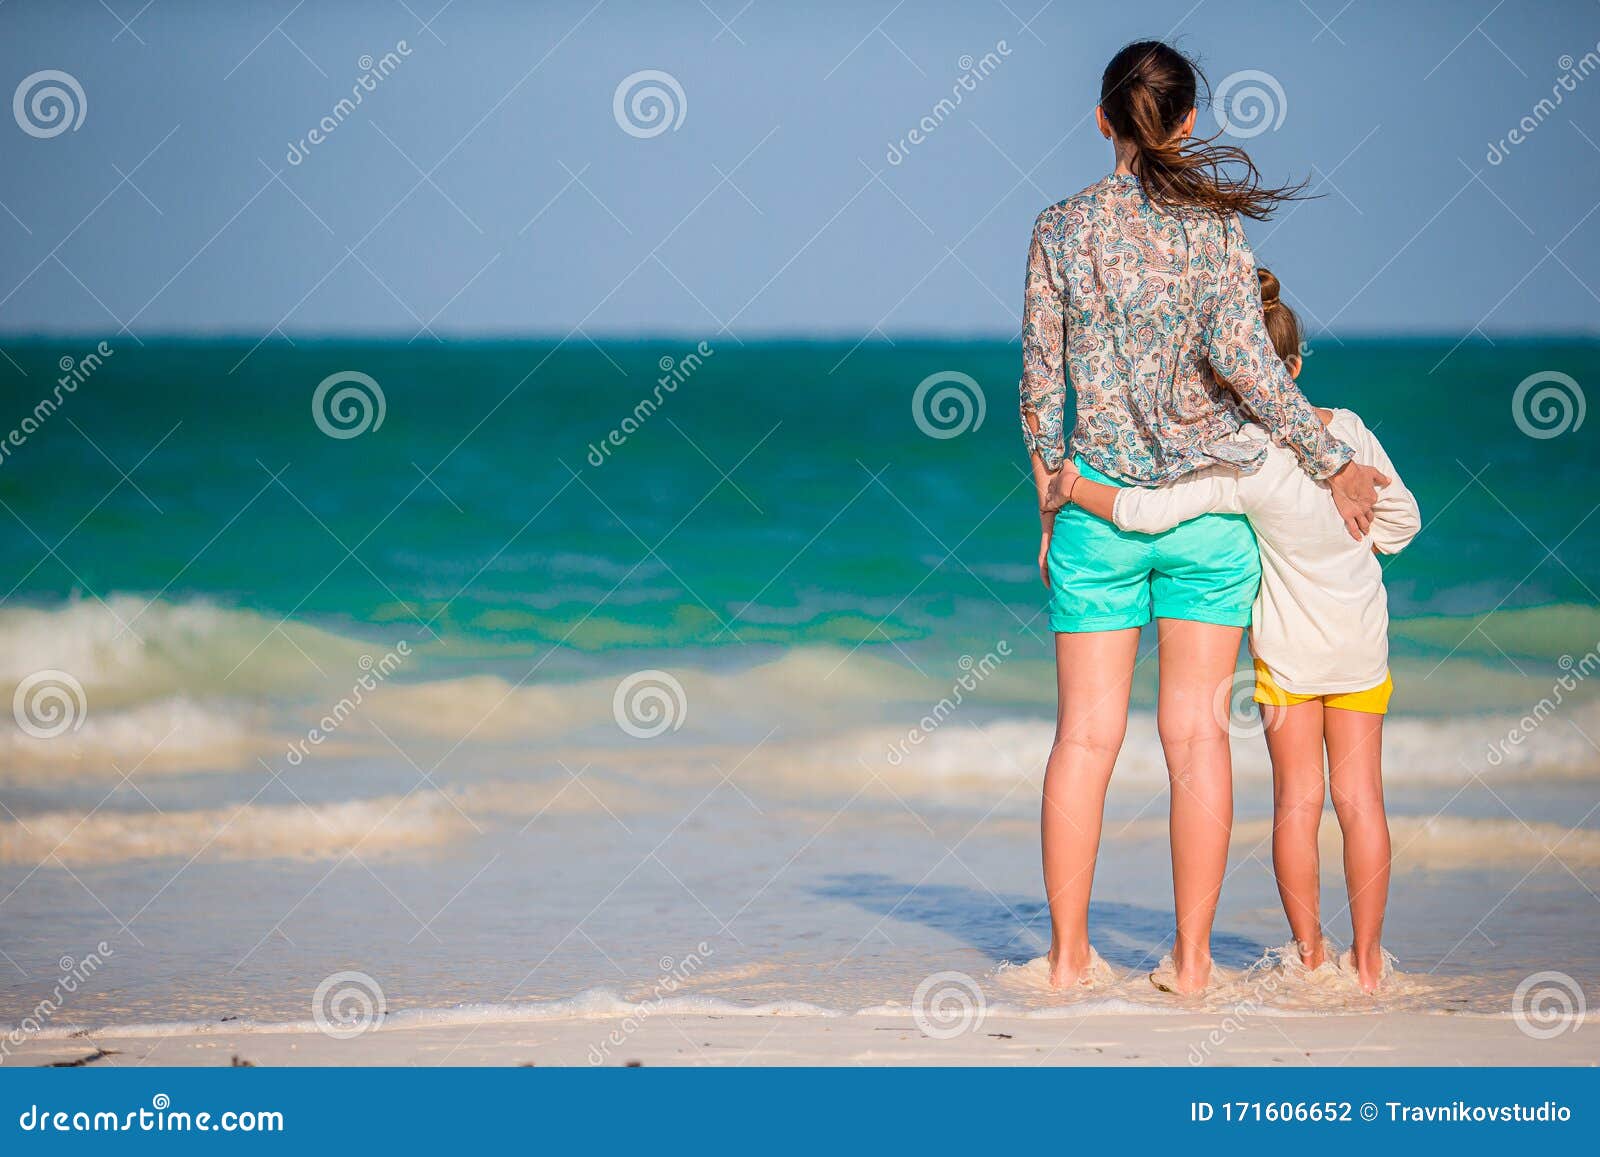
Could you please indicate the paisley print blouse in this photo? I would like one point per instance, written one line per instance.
(1146, 310)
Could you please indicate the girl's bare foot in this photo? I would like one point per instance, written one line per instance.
(1370, 969)
(1369, 965)
(1314, 953)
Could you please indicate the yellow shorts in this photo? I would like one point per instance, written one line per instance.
(1374, 700)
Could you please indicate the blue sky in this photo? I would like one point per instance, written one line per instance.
(486, 186)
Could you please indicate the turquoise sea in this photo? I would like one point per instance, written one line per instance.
(411, 701)
(783, 495)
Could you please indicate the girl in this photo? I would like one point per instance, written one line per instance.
(1319, 636)
(1137, 287)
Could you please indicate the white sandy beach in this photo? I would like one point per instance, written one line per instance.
(779, 899)
(1394, 1039)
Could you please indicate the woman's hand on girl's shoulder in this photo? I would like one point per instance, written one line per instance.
(1355, 495)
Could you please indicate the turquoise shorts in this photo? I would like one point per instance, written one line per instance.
(1205, 570)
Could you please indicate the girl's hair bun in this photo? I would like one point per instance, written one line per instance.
(1283, 327)
(1271, 291)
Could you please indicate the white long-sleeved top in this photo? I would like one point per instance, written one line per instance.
(1321, 619)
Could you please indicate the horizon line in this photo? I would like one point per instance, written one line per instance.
(1474, 335)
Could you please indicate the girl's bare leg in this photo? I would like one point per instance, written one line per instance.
(1196, 660)
(1355, 773)
(1094, 675)
(1294, 740)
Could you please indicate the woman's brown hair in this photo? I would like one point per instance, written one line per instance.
(1145, 93)
(1283, 327)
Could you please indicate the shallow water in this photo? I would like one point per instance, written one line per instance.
(652, 875)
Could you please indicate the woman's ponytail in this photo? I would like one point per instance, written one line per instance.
(1145, 93)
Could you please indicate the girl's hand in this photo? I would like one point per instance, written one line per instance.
(1060, 487)
(1044, 550)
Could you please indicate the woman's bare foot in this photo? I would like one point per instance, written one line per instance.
(1194, 976)
(1069, 969)
(1182, 980)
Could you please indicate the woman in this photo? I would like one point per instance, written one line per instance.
(1143, 288)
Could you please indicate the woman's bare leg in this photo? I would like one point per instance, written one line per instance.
(1294, 740)
(1355, 772)
(1094, 676)
(1196, 660)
